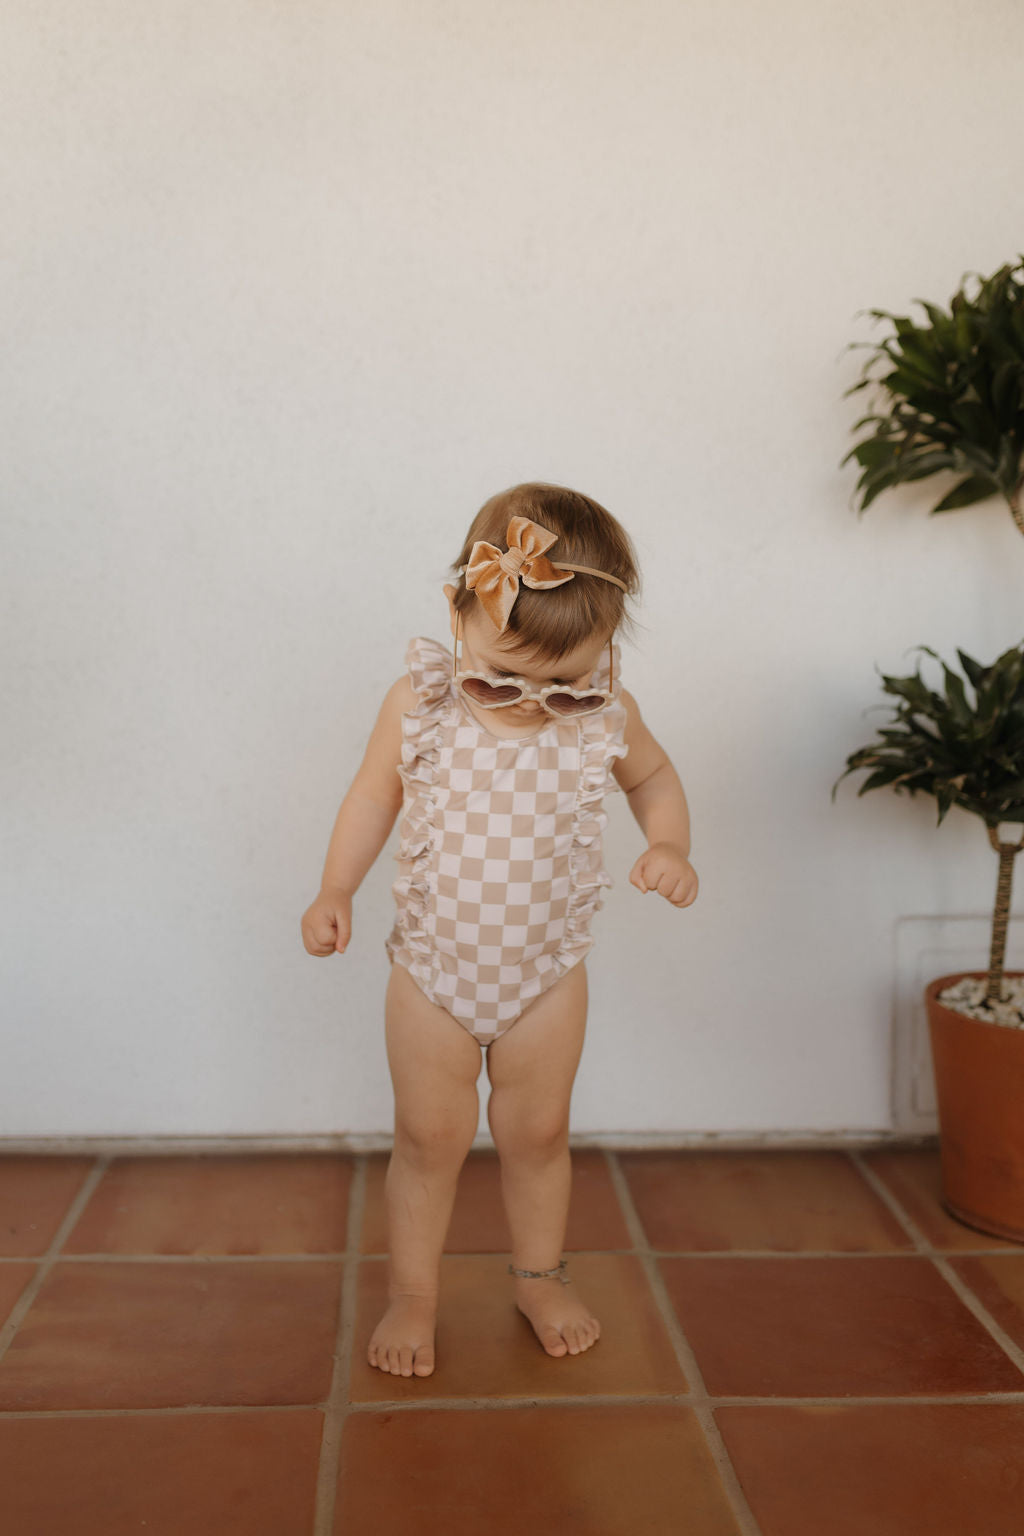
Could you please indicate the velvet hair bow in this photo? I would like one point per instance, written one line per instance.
(494, 574)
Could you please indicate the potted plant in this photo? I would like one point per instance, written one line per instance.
(950, 394)
(951, 397)
(965, 747)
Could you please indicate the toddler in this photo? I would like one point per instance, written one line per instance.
(499, 752)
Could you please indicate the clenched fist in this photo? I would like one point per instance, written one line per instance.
(327, 924)
(665, 868)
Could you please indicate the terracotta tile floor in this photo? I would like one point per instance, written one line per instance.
(794, 1343)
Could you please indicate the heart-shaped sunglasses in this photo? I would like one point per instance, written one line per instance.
(555, 698)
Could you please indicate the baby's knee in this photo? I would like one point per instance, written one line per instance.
(542, 1140)
(527, 1131)
(430, 1140)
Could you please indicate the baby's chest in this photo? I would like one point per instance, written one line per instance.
(536, 779)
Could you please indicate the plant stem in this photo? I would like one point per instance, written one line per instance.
(1004, 886)
(1015, 508)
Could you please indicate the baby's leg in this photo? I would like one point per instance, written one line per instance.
(532, 1067)
(434, 1067)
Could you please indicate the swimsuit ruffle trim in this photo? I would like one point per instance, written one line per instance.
(600, 744)
(430, 668)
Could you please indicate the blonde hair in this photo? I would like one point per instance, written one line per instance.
(551, 623)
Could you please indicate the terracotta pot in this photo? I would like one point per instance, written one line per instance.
(979, 1084)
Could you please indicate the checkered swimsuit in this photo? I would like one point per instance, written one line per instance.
(500, 856)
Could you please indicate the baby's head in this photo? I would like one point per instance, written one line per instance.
(562, 623)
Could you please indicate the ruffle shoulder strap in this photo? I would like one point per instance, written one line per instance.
(430, 671)
(601, 741)
(430, 667)
(601, 744)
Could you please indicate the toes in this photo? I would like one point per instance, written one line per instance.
(401, 1359)
(424, 1361)
(553, 1341)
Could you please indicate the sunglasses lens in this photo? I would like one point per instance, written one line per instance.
(482, 692)
(568, 704)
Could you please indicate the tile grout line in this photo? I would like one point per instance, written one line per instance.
(673, 1399)
(47, 1260)
(338, 1255)
(926, 1250)
(380, 1141)
(698, 1399)
(337, 1407)
(921, 1245)
(392, 1405)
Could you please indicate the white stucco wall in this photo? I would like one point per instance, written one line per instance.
(289, 289)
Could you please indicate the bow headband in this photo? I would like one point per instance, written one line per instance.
(494, 574)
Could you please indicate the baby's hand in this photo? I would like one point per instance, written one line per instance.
(664, 868)
(327, 924)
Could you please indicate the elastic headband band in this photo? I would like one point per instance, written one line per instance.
(495, 574)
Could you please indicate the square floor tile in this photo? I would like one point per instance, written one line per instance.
(13, 1280)
(891, 1469)
(786, 1202)
(997, 1279)
(119, 1335)
(210, 1474)
(639, 1470)
(487, 1348)
(843, 1327)
(224, 1204)
(35, 1195)
(914, 1175)
(478, 1222)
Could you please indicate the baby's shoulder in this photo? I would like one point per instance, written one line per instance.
(401, 697)
(632, 708)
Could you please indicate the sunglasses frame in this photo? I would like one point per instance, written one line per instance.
(528, 693)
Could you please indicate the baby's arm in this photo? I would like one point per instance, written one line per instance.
(362, 827)
(658, 801)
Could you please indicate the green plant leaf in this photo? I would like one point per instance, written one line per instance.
(873, 451)
(1007, 385)
(882, 484)
(954, 384)
(957, 697)
(942, 324)
(914, 359)
(964, 751)
(914, 690)
(919, 466)
(1008, 465)
(973, 670)
(974, 489)
(976, 424)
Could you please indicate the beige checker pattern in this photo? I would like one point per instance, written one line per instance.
(503, 818)
(482, 920)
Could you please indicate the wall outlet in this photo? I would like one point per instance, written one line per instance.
(927, 947)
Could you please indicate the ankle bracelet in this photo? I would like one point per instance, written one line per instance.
(541, 1274)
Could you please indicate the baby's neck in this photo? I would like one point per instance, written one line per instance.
(510, 730)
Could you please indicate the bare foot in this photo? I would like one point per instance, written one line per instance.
(562, 1322)
(403, 1341)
